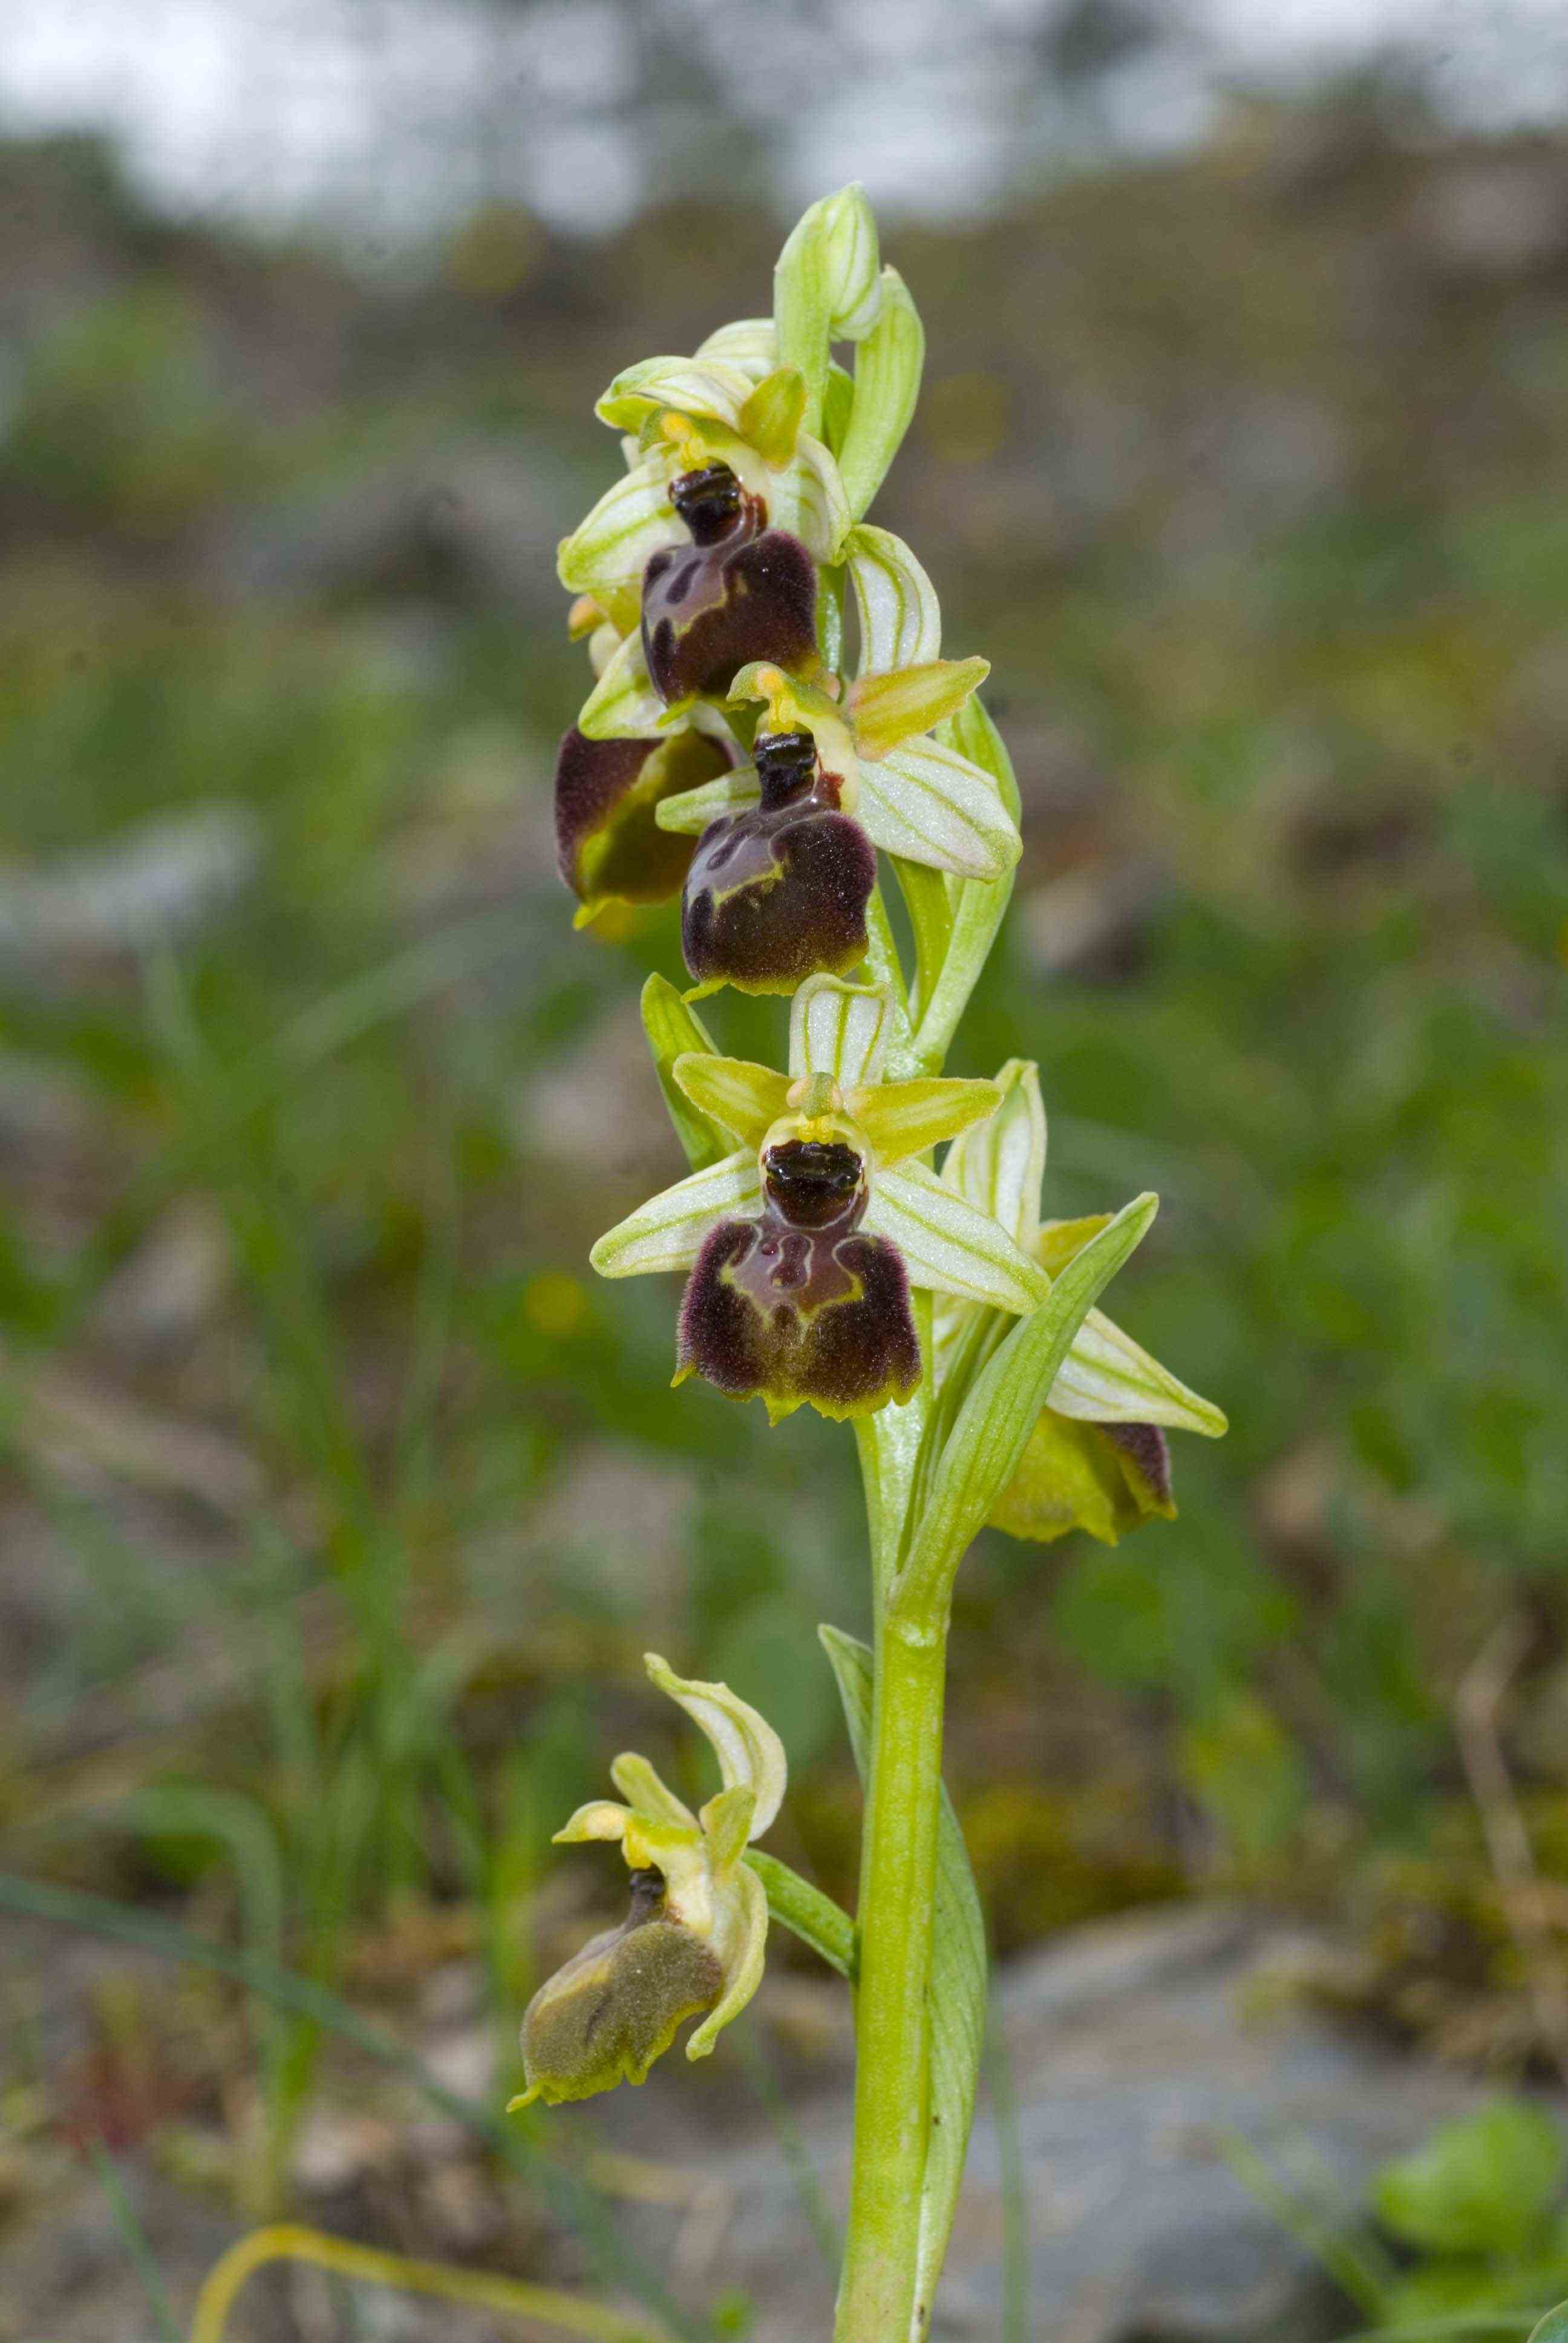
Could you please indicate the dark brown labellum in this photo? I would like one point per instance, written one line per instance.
(607, 842)
(739, 591)
(814, 1313)
(780, 891)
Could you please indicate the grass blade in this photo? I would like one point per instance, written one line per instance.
(134, 2238)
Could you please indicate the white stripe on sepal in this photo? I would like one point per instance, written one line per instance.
(667, 1232)
(948, 1244)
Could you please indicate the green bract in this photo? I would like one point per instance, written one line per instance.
(1095, 1458)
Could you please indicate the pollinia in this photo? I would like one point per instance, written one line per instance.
(737, 751)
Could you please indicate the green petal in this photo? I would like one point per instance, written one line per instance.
(948, 1245)
(1059, 1240)
(841, 1031)
(902, 1119)
(899, 702)
(641, 1788)
(749, 1753)
(929, 804)
(667, 1232)
(744, 1097)
(772, 415)
(999, 1165)
(900, 619)
(602, 1818)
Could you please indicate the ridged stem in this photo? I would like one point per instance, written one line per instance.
(898, 1892)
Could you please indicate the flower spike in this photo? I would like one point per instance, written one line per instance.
(694, 1940)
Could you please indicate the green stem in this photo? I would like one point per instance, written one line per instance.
(898, 1891)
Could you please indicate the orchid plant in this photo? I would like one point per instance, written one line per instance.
(773, 729)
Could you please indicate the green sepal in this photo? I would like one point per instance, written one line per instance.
(609, 549)
(689, 813)
(623, 704)
(673, 1030)
(1553, 2328)
(747, 1957)
(888, 368)
(924, 802)
(640, 394)
(841, 1031)
(749, 344)
(955, 1996)
(749, 1753)
(900, 617)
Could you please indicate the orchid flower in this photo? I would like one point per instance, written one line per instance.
(783, 873)
(694, 1939)
(800, 1246)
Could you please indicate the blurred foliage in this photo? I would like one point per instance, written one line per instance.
(1235, 464)
(1469, 2232)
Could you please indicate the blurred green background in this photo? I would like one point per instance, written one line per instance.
(337, 1502)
